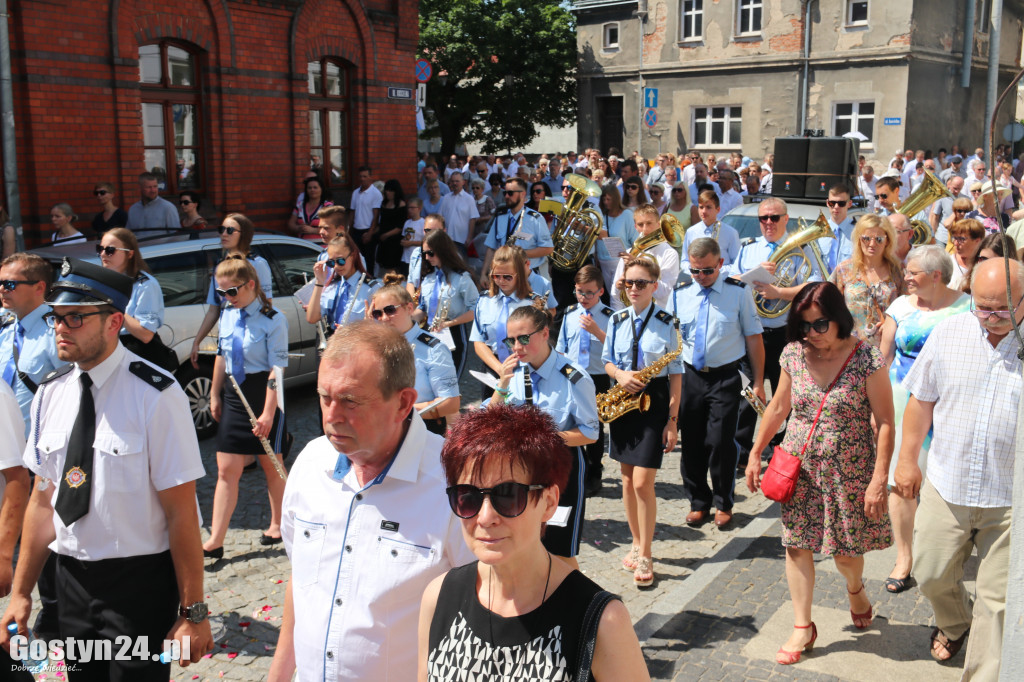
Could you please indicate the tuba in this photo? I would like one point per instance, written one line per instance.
(578, 225)
(792, 264)
(617, 401)
(671, 225)
(927, 193)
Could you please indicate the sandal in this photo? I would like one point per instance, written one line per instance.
(629, 561)
(784, 657)
(952, 646)
(897, 585)
(643, 576)
(859, 618)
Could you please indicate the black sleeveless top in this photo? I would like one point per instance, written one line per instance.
(540, 645)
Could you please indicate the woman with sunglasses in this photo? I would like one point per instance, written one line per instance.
(338, 292)
(506, 467)
(539, 191)
(253, 339)
(966, 236)
(436, 378)
(989, 210)
(633, 194)
(190, 204)
(119, 251)
(306, 214)
(110, 215)
(873, 278)
(992, 246)
(636, 337)
(657, 192)
(958, 211)
(447, 286)
(835, 385)
(509, 290)
(680, 207)
(236, 233)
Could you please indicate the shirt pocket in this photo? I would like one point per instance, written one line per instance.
(401, 562)
(50, 448)
(122, 461)
(686, 323)
(307, 548)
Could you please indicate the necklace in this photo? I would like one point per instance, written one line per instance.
(490, 581)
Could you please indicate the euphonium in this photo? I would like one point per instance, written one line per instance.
(671, 225)
(617, 401)
(927, 193)
(578, 225)
(792, 264)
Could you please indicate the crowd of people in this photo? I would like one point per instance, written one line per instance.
(888, 367)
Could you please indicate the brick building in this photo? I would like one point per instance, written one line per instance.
(734, 74)
(233, 98)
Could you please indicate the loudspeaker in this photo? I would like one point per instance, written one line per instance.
(788, 175)
(830, 160)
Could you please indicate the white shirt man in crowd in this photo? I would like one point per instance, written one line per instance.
(459, 211)
(365, 215)
(729, 198)
(866, 186)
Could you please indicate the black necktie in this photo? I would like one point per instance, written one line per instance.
(73, 498)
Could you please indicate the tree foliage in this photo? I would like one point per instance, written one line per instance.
(501, 68)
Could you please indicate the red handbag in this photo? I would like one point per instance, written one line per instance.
(779, 480)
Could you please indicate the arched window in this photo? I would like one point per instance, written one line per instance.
(171, 121)
(329, 107)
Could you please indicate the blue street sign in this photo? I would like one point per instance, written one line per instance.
(893, 121)
(650, 117)
(423, 70)
(651, 98)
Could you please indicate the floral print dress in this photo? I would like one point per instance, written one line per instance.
(826, 512)
(867, 302)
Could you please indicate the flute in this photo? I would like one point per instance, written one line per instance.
(252, 420)
(352, 304)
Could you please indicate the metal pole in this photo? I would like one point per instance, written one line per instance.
(641, 16)
(11, 190)
(992, 89)
(806, 69)
(965, 64)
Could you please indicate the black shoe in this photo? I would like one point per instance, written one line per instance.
(267, 540)
(214, 553)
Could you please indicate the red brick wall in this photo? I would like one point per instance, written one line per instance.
(77, 100)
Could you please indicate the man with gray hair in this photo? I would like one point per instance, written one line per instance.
(460, 212)
(363, 519)
(904, 235)
(965, 385)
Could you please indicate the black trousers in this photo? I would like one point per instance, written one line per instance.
(594, 452)
(369, 251)
(746, 426)
(707, 421)
(106, 599)
(461, 339)
(46, 622)
(565, 540)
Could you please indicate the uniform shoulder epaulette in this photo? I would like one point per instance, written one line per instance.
(141, 277)
(429, 339)
(371, 282)
(530, 211)
(59, 372)
(748, 241)
(664, 316)
(621, 315)
(535, 295)
(571, 373)
(151, 376)
(683, 285)
(269, 312)
(502, 211)
(735, 282)
(570, 308)
(7, 321)
(607, 311)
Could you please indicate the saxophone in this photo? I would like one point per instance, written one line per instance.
(617, 401)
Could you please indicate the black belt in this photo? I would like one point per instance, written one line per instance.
(721, 369)
(769, 331)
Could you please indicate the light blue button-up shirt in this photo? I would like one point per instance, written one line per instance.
(540, 285)
(488, 312)
(728, 242)
(731, 318)
(265, 343)
(528, 224)
(658, 338)
(565, 391)
(751, 256)
(622, 226)
(266, 280)
(569, 337)
(835, 251)
(435, 369)
(37, 358)
(330, 305)
(458, 288)
(147, 303)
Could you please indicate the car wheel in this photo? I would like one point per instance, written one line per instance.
(197, 384)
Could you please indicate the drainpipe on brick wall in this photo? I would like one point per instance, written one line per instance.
(805, 86)
(965, 65)
(7, 131)
(992, 89)
(641, 16)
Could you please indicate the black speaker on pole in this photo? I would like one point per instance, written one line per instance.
(788, 175)
(830, 161)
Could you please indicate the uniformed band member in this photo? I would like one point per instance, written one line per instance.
(508, 291)
(432, 222)
(542, 289)
(534, 374)
(114, 449)
(636, 337)
(14, 493)
(339, 291)
(253, 340)
(648, 221)
(836, 250)
(719, 324)
(436, 378)
(447, 286)
(516, 225)
(581, 339)
(710, 226)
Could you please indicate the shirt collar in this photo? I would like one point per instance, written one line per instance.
(103, 371)
(413, 333)
(34, 318)
(642, 314)
(719, 283)
(253, 307)
(548, 366)
(405, 465)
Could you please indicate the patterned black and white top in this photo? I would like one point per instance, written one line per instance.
(540, 646)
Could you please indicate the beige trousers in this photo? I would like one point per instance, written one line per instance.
(944, 535)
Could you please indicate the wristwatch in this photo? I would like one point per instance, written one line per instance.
(195, 613)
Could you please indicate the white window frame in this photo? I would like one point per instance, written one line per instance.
(856, 116)
(849, 12)
(748, 7)
(606, 43)
(691, 16)
(727, 120)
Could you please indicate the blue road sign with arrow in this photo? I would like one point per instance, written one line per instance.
(651, 98)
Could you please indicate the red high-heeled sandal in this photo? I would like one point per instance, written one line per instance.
(867, 615)
(784, 657)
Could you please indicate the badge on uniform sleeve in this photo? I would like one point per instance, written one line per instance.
(75, 477)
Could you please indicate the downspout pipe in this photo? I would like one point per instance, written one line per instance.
(992, 89)
(641, 15)
(11, 191)
(805, 85)
(965, 64)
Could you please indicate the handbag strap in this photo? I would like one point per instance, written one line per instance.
(588, 634)
(825, 397)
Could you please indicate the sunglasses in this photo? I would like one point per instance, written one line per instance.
(882, 196)
(1001, 314)
(108, 250)
(12, 284)
(100, 192)
(677, 190)
(638, 284)
(232, 291)
(185, 202)
(838, 203)
(959, 210)
(510, 192)
(508, 499)
(702, 271)
(867, 239)
(819, 325)
(428, 253)
(774, 218)
(503, 278)
(71, 320)
(523, 339)
(388, 310)
(224, 229)
(538, 191)
(975, 191)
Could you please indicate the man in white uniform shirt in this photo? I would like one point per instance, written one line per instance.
(365, 216)
(459, 209)
(14, 492)
(361, 519)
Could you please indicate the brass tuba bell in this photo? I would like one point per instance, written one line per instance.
(578, 225)
(793, 265)
(927, 193)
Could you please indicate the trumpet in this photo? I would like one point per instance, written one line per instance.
(441, 316)
(755, 402)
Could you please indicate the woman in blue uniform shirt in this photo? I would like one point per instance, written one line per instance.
(236, 232)
(435, 371)
(253, 340)
(636, 337)
(445, 280)
(534, 373)
(119, 251)
(338, 291)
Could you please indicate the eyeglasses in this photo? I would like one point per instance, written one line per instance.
(503, 278)
(508, 499)
(867, 239)
(1001, 314)
(523, 339)
(820, 326)
(71, 320)
(882, 196)
(185, 202)
(334, 262)
(12, 284)
(702, 271)
(510, 192)
(638, 284)
(837, 203)
(224, 229)
(388, 310)
(960, 239)
(774, 217)
(100, 192)
(232, 291)
(585, 294)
